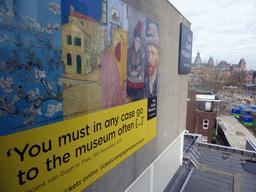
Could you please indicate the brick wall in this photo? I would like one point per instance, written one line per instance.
(200, 130)
(191, 111)
(195, 118)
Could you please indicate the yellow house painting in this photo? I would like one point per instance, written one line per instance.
(80, 43)
(81, 56)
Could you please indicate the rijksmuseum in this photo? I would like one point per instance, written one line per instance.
(220, 73)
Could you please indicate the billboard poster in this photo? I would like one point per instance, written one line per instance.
(78, 90)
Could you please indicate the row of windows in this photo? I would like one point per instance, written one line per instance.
(87, 44)
(77, 41)
(78, 59)
(69, 59)
(87, 24)
(205, 124)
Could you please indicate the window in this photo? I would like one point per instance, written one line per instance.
(69, 40)
(77, 41)
(205, 124)
(82, 23)
(104, 12)
(200, 105)
(69, 59)
(78, 63)
(93, 48)
(204, 139)
(86, 43)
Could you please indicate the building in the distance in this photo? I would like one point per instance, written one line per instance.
(203, 74)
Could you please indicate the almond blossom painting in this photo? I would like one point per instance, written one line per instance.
(30, 65)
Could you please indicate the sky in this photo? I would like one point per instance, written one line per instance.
(92, 9)
(222, 29)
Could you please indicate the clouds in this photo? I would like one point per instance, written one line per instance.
(222, 29)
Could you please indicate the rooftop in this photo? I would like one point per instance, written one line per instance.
(235, 132)
(242, 61)
(224, 63)
(81, 16)
(223, 172)
(198, 65)
(218, 168)
(198, 58)
(235, 66)
(210, 60)
(206, 96)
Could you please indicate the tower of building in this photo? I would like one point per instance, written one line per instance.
(198, 58)
(242, 64)
(211, 62)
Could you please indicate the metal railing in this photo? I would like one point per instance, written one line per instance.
(243, 152)
(192, 154)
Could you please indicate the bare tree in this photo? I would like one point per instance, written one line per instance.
(211, 80)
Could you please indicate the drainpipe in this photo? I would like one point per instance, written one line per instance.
(196, 124)
(218, 114)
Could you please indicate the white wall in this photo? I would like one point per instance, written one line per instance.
(159, 173)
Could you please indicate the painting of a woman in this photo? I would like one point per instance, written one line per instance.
(135, 69)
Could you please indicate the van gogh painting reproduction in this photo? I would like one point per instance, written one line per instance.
(61, 59)
(30, 64)
(94, 55)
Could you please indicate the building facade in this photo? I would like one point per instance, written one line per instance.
(81, 40)
(201, 113)
(203, 74)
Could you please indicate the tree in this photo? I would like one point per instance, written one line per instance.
(30, 81)
(211, 80)
(238, 79)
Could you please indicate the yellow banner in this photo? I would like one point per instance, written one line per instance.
(70, 155)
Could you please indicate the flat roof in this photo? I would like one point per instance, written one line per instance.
(206, 96)
(215, 168)
(222, 172)
(204, 93)
(235, 132)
